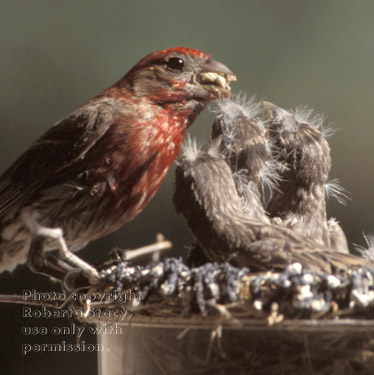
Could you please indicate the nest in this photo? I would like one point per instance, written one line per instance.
(223, 319)
(170, 289)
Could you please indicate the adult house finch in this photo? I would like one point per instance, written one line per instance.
(97, 168)
(206, 195)
(299, 202)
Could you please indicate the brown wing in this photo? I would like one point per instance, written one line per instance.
(62, 145)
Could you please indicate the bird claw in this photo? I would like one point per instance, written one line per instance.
(37, 259)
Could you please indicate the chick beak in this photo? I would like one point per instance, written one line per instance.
(274, 114)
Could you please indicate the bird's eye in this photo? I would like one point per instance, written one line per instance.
(175, 63)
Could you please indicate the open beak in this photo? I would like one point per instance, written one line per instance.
(214, 80)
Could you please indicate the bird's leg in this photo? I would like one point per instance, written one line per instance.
(40, 262)
(64, 252)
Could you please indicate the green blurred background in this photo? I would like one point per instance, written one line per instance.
(55, 55)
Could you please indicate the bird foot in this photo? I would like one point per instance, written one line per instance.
(65, 254)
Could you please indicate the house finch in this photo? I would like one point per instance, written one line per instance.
(300, 200)
(97, 168)
(206, 195)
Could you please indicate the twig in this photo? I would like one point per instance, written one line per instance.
(160, 244)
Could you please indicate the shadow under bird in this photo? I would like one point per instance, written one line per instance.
(97, 168)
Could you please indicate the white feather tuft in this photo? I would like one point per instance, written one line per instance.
(238, 105)
(190, 149)
(328, 130)
(214, 149)
(367, 252)
(269, 175)
(306, 115)
(333, 189)
(284, 119)
(289, 122)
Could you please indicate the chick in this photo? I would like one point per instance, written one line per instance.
(299, 202)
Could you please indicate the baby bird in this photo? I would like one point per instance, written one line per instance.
(299, 202)
(238, 137)
(206, 195)
(238, 134)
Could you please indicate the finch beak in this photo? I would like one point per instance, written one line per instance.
(213, 81)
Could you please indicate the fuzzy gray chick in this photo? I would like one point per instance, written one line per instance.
(207, 197)
(299, 202)
(238, 137)
(238, 134)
